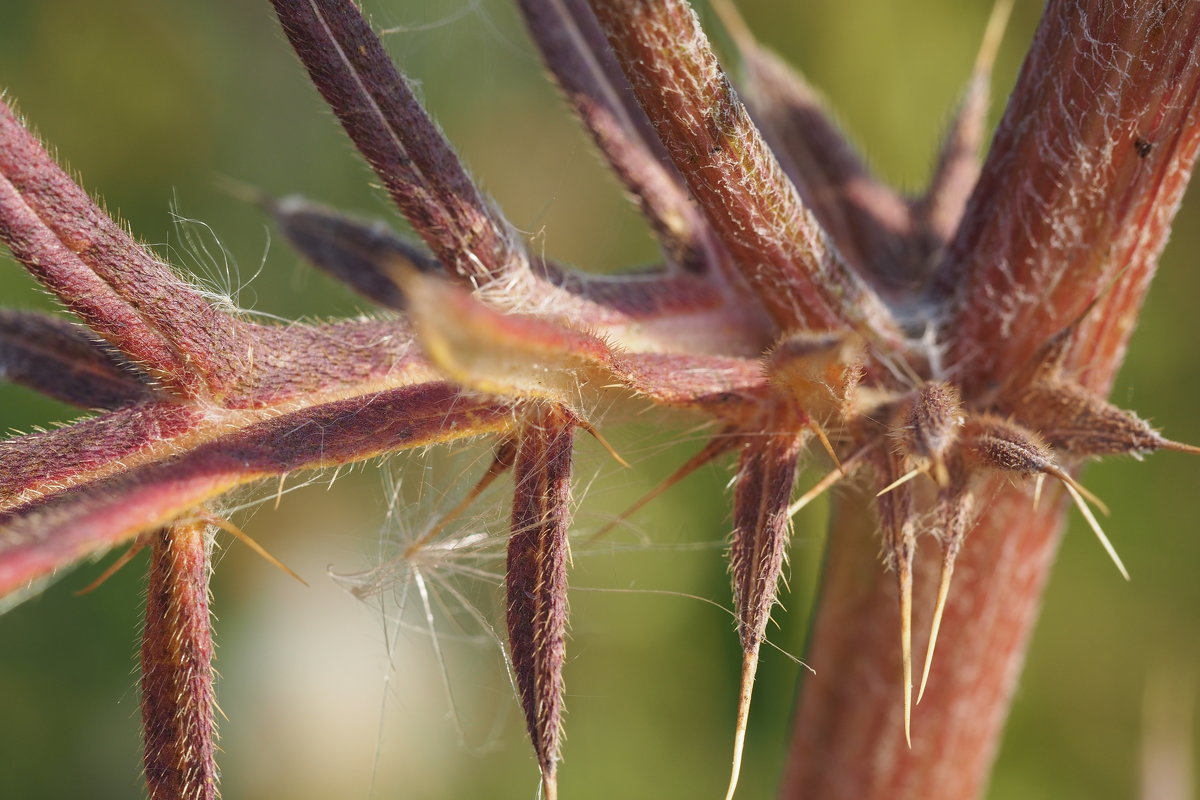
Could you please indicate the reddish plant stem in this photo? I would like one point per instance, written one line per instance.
(848, 739)
(1084, 176)
(734, 176)
(177, 674)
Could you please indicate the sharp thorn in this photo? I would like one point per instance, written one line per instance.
(549, 786)
(746, 692)
(712, 450)
(903, 479)
(829, 480)
(1038, 484)
(816, 491)
(114, 567)
(220, 710)
(904, 573)
(1091, 520)
(612, 451)
(824, 440)
(1067, 479)
(245, 538)
(938, 608)
(1180, 447)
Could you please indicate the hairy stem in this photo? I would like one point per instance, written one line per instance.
(848, 739)
(177, 674)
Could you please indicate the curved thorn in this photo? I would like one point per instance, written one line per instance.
(279, 489)
(1091, 520)
(749, 670)
(1063, 476)
(938, 470)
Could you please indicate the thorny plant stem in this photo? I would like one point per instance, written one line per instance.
(973, 352)
(844, 742)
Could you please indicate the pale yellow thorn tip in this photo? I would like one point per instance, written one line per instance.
(903, 479)
(549, 786)
(829, 480)
(993, 34)
(1092, 498)
(749, 670)
(905, 575)
(816, 491)
(941, 475)
(1077, 486)
(1038, 483)
(938, 608)
(734, 24)
(1091, 520)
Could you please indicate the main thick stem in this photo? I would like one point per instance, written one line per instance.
(1073, 207)
(848, 741)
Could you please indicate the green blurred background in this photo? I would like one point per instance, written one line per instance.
(153, 101)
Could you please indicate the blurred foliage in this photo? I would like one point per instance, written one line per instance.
(154, 102)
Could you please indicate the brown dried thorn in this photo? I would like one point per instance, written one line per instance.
(612, 451)
(722, 443)
(1180, 447)
(246, 539)
(114, 567)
